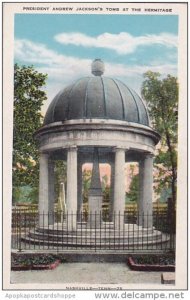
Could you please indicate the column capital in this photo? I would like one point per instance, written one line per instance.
(72, 148)
(115, 149)
(147, 155)
(43, 153)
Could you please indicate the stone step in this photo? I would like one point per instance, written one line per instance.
(98, 241)
(129, 229)
(103, 237)
(99, 245)
(168, 278)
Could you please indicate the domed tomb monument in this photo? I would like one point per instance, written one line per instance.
(96, 119)
(97, 97)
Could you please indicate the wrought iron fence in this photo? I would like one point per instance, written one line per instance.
(98, 231)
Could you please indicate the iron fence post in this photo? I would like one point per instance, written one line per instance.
(19, 240)
(171, 217)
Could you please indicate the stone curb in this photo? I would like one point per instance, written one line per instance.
(168, 278)
(157, 268)
(51, 266)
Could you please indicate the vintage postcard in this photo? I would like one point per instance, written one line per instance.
(95, 149)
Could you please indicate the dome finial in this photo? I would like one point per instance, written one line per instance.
(97, 67)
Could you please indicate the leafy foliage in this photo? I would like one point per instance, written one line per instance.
(25, 260)
(162, 260)
(133, 193)
(161, 96)
(28, 99)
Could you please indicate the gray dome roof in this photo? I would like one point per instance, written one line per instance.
(97, 97)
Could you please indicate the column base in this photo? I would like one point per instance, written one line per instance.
(145, 221)
(43, 220)
(118, 220)
(71, 221)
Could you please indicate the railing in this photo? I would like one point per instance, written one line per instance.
(97, 231)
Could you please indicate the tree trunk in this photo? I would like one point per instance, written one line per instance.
(174, 175)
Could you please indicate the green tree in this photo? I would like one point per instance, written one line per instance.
(28, 99)
(161, 95)
(133, 193)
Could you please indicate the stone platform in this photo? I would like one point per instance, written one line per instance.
(168, 278)
(104, 237)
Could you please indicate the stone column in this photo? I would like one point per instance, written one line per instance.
(146, 191)
(61, 205)
(72, 187)
(79, 190)
(43, 190)
(112, 191)
(51, 191)
(119, 188)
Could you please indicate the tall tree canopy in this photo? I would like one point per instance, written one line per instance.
(28, 99)
(161, 96)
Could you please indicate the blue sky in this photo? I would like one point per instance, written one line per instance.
(63, 46)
